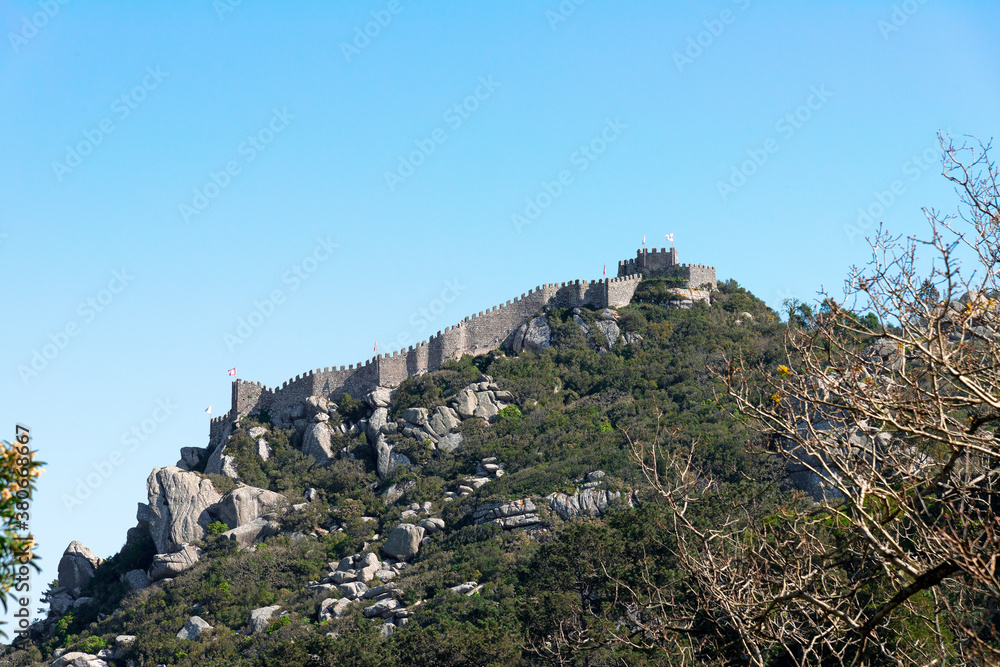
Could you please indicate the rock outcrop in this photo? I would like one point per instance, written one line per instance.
(60, 600)
(260, 618)
(443, 422)
(440, 426)
(193, 629)
(166, 566)
(404, 542)
(122, 644)
(384, 603)
(432, 525)
(78, 659)
(253, 531)
(507, 514)
(77, 566)
(686, 298)
(378, 419)
(483, 399)
(177, 512)
(317, 408)
(318, 442)
(534, 335)
(819, 477)
(383, 456)
(468, 588)
(380, 397)
(610, 332)
(450, 442)
(358, 569)
(191, 457)
(587, 502)
(351, 577)
(136, 580)
(332, 608)
(221, 463)
(243, 505)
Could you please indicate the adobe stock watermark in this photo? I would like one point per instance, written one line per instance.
(363, 36)
(47, 10)
(901, 13)
(101, 471)
(87, 311)
(786, 127)
(704, 39)
(422, 319)
(563, 12)
(786, 294)
(223, 7)
(294, 278)
(248, 150)
(581, 158)
(122, 107)
(784, 297)
(882, 200)
(455, 116)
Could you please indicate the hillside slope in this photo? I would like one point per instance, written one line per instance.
(464, 518)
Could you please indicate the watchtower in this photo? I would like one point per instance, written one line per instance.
(663, 262)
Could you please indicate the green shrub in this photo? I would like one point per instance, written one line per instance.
(246, 458)
(509, 413)
(433, 389)
(63, 625)
(222, 483)
(216, 528)
(277, 625)
(93, 645)
(351, 409)
(659, 290)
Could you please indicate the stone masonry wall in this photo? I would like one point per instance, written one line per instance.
(652, 260)
(475, 335)
(661, 260)
(698, 274)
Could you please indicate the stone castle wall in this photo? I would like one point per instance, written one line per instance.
(663, 261)
(698, 274)
(475, 335)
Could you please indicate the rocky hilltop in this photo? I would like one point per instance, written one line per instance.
(392, 511)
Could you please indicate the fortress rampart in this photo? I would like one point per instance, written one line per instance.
(475, 335)
(660, 261)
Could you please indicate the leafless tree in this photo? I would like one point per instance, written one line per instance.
(901, 433)
(890, 423)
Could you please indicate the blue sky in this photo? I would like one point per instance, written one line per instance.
(169, 170)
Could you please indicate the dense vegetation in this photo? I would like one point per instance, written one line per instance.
(576, 409)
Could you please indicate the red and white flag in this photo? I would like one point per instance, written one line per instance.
(605, 269)
(643, 240)
(670, 239)
(376, 346)
(232, 371)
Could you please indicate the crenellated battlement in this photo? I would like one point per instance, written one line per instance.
(476, 334)
(661, 261)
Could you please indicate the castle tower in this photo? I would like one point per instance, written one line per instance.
(661, 261)
(647, 262)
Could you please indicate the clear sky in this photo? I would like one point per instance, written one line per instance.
(170, 169)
